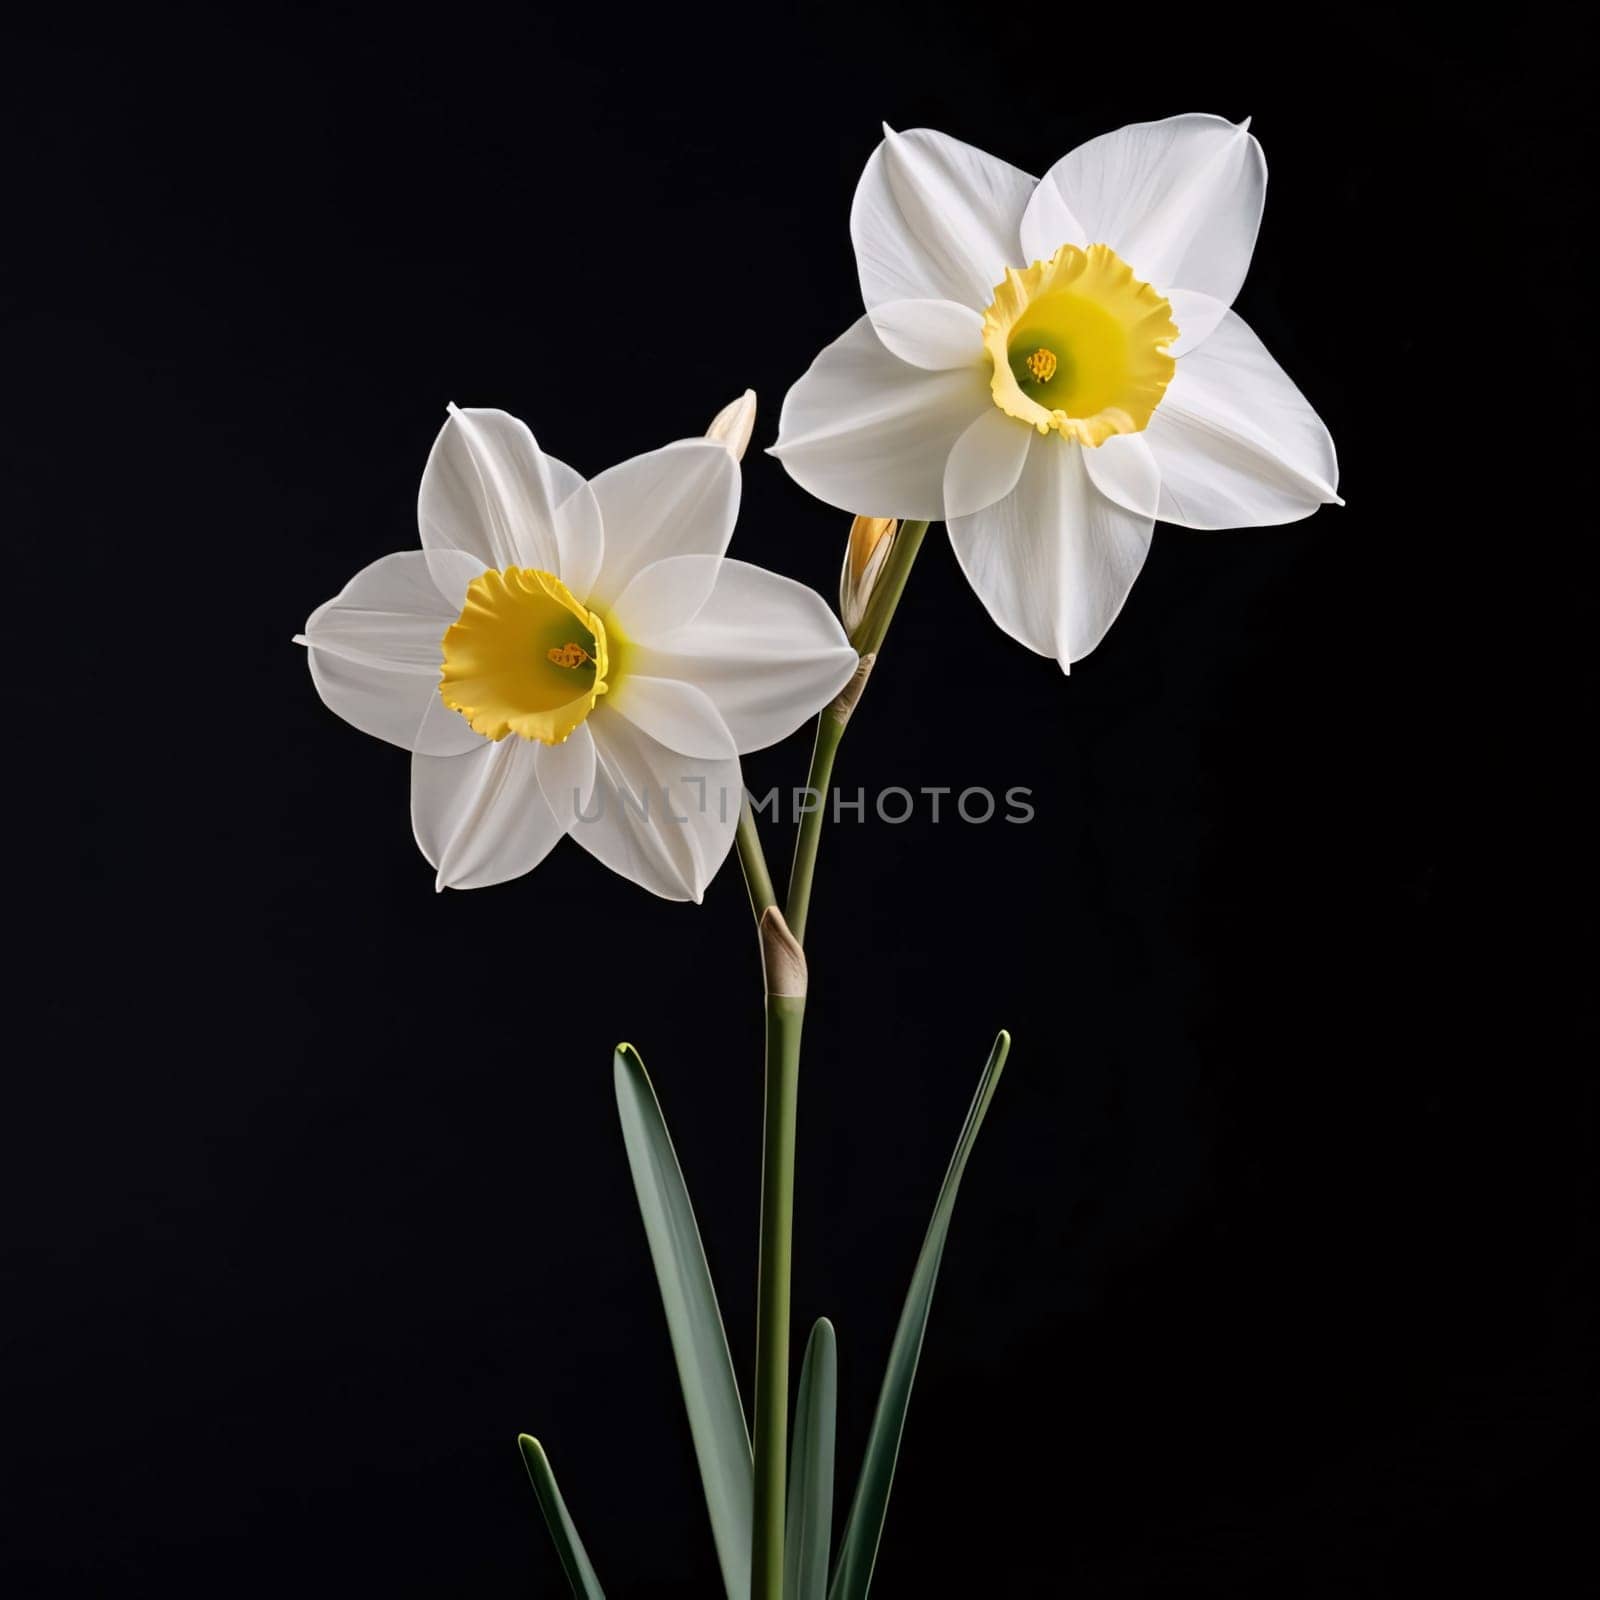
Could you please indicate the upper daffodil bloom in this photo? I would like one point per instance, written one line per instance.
(1050, 365)
(564, 657)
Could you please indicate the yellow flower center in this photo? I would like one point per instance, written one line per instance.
(1079, 345)
(524, 657)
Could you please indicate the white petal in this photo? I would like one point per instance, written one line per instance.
(566, 774)
(1124, 470)
(935, 219)
(444, 732)
(1048, 223)
(1055, 559)
(580, 535)
(481, 818)
(564, 480)
(389, 705)
(935, 334)
(986, 462)
(767, 650)
(1179, 200)
(1197, 316)
(490, 490)
(666, 821)
(665, 596)
(374, 649)
(674, 713)
(391, 612)
(1238, 445)
(870, 434)
(678, 501)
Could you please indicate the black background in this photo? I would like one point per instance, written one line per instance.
(1270, 1276)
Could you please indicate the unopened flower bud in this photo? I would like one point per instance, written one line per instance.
(734, 423)
(871, 540)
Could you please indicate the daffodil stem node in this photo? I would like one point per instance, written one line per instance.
(782, 959)
(845, 701)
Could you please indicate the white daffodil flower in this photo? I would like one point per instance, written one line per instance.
(1050, 365)
(564, 657)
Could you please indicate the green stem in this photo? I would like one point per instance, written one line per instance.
(830, 730)
(785, 1013)
(757, 879)
(868, 640)
(785, 964)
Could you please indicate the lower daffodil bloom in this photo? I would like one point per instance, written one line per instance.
(564, 657)
(1051, 365)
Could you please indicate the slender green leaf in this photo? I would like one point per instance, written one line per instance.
(705, 1368)
(574, 1559)
(858, 1552)
(808, 1526)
